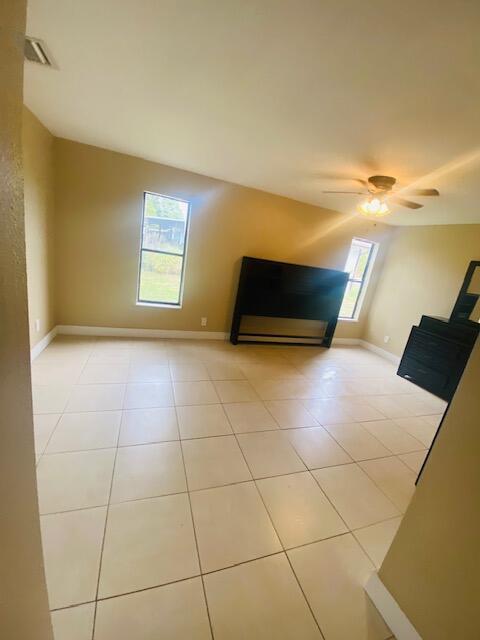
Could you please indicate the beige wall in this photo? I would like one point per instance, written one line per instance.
(39, 222)
(98, 202)
(422, 274)
(23, 598)
(98, 218)
(432, 566)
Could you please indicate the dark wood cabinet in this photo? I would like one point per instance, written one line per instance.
(436, 354)
(282, 290)
(438, 349)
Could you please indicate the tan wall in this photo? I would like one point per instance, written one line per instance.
(23, 598)
(98, 218)
(432, 566)
(39, 223)
(422, 274)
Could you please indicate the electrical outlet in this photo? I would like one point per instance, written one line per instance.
(37, 325)
(203, 322)
(386, 339)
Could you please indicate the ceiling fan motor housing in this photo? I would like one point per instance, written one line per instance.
(381, 183)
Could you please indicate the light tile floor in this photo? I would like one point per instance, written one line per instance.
(194, 490)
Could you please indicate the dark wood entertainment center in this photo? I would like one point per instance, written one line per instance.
(282, 290)
(438, 348)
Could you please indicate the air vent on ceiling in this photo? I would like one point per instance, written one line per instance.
(35, 51)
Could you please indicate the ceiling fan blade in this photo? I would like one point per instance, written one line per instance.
(325, 175)
(357, 193)
(406, 203)
(422, 192)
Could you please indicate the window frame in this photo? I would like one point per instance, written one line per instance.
(363, 281)
(153, 303)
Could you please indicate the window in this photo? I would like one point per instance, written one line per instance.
(359, 265)
(162, 254)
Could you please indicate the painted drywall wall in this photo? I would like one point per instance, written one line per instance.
(422, 275)
(37, 143)
(97, 234)
(432, 566)
(23, 597)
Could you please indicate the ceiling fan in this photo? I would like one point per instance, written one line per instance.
(379, 193)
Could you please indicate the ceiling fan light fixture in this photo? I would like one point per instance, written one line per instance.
(374, 207)
(380, 191)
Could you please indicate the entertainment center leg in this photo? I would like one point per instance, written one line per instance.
(329, 331)
(237, 318)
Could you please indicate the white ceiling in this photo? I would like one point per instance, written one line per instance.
(274, 94)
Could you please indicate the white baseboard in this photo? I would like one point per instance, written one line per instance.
(122, 332)
(394, 617)
(42, 344)
(381, 352)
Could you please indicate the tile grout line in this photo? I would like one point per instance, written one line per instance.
(329, 500)
(277, 429)
(44, 451)
(165, 584)
(353, 462)
(228, 484)
(60, 414)
(401, 511)
(196, 404)
(206, 573)
(365, 550)
(206, 362)
(285, 551)
(362, 398)
(309, 470)
(259, 493)
(195, 534)
(104, 532)
(189, 492)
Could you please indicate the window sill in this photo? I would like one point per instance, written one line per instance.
(348, 319)
(160, 305)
